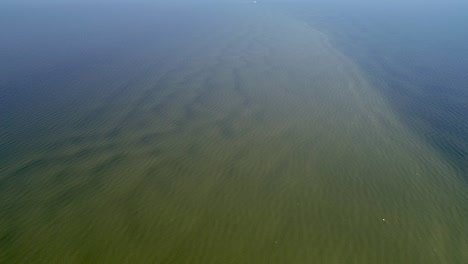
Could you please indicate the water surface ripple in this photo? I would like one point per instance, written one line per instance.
(257, 142)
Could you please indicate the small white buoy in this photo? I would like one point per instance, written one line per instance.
(383, 219)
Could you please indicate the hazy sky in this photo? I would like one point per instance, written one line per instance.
(373, 2)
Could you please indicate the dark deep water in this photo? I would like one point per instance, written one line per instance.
(286, 132)
(417, 53)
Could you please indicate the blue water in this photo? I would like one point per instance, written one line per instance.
(417, 52)
(233, 132)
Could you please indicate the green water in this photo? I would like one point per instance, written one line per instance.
(257, 142)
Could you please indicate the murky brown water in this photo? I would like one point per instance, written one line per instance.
(258, 142)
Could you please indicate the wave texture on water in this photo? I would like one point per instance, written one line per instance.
(258, 142)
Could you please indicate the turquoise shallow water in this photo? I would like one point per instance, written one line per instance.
(210, 134)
